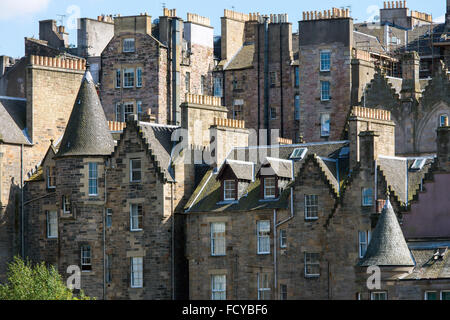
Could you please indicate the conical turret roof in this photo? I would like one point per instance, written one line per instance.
(388, 246)
(87, 132)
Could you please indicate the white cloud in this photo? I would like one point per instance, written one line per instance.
(16, 8)
(440, 19)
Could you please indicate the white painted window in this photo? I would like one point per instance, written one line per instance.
(52, 224)
(218, 287)
(269, 188)
(109, 213)
(218, 87)
(418, 164)
(93, 179)
(324, 90)
(311, 207)
(118, 78)
(431, 295)
(238, 107)
(364, 240)
(128, 78)
(297, 107)
(283, 238)
(229, 190)
(187, 82)
(263, 231)
(135, 170)
(128, 45)
(263, 286)
(325, 60)
(137, 273)
(128, 109)
(66, 204)
(381, 295)
(312, 264)
(51, 180)
(218, 239)
(139, 77)
(443, 120)
(325, 125)
(140, 112)
(86, 258)
(136, 217)
(367, 197)
(298, 153)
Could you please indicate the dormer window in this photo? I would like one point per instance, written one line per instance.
(270, 185)
(418, 164)
(229, 190)
(128, 45)
(298, 153)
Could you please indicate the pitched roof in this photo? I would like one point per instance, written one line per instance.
(160, 144)
(242, 170)
(274, 166)
(388, 246)
(12, 120)
(243, 58)
(87, 132)
(428, 266)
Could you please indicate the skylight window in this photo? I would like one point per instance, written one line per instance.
(418, 164)
(299, 153)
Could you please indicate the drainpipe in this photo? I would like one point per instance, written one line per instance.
(104, 239)
(176, 78)
(173, 241)
(21, 202)
(376, 182)
(266, 78)
(281, 83)
(259, 83)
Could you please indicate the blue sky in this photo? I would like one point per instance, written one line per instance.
(19, 18)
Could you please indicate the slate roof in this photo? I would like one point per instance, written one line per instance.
(388, 246)
(242, 170)
(427, 267)
(274, 166)
(207, 196)
(13, 121)
(404, 183)
(160, 144)
(367, 42)
(87, 132)
(243, 58)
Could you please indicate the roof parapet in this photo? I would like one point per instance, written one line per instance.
(116, 126)
(369, 113)
(195, 18)
(78, 64)
(334, 13)
(229, 123)
(422, 16)
(230, 14)
(205, 100)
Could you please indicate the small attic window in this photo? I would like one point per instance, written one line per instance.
(418, 164)
(299, 153)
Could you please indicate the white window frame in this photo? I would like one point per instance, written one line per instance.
(310, 204)
(127, 46)
(50, 171)
(133, 169)
(238, 109)
(128, 108)
(187, 82)
(325, 62)
(283, 238)
(134, 214)
(427, 292)
(93, 178)
(66, 201)
(272, 188)
(119, 112)
(372, 295)
(139, 110)
(137, 272)
(273, 113)
(139, 77)
(325, 126)
(86, 260)
(442, 118)
(128, 76)
(367, 201)
(218, 287)
(309, 263)
(118, 78)
(324, 97)
(52, 224)
(263, 236)
(263, 287)
(218, 239)
(283, 293)
(226, 187)
(365, 243)
(218, 87)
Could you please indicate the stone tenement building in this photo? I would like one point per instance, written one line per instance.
(148, 68)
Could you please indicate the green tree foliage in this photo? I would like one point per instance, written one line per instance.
(35, 282)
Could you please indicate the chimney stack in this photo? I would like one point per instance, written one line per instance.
(443, 147)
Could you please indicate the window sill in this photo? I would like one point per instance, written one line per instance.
(136, 230)
(218, 255)
(227, 202)
(263, 253)
(52, 238)
(311, 219)
(269, 200)
(312, 276)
